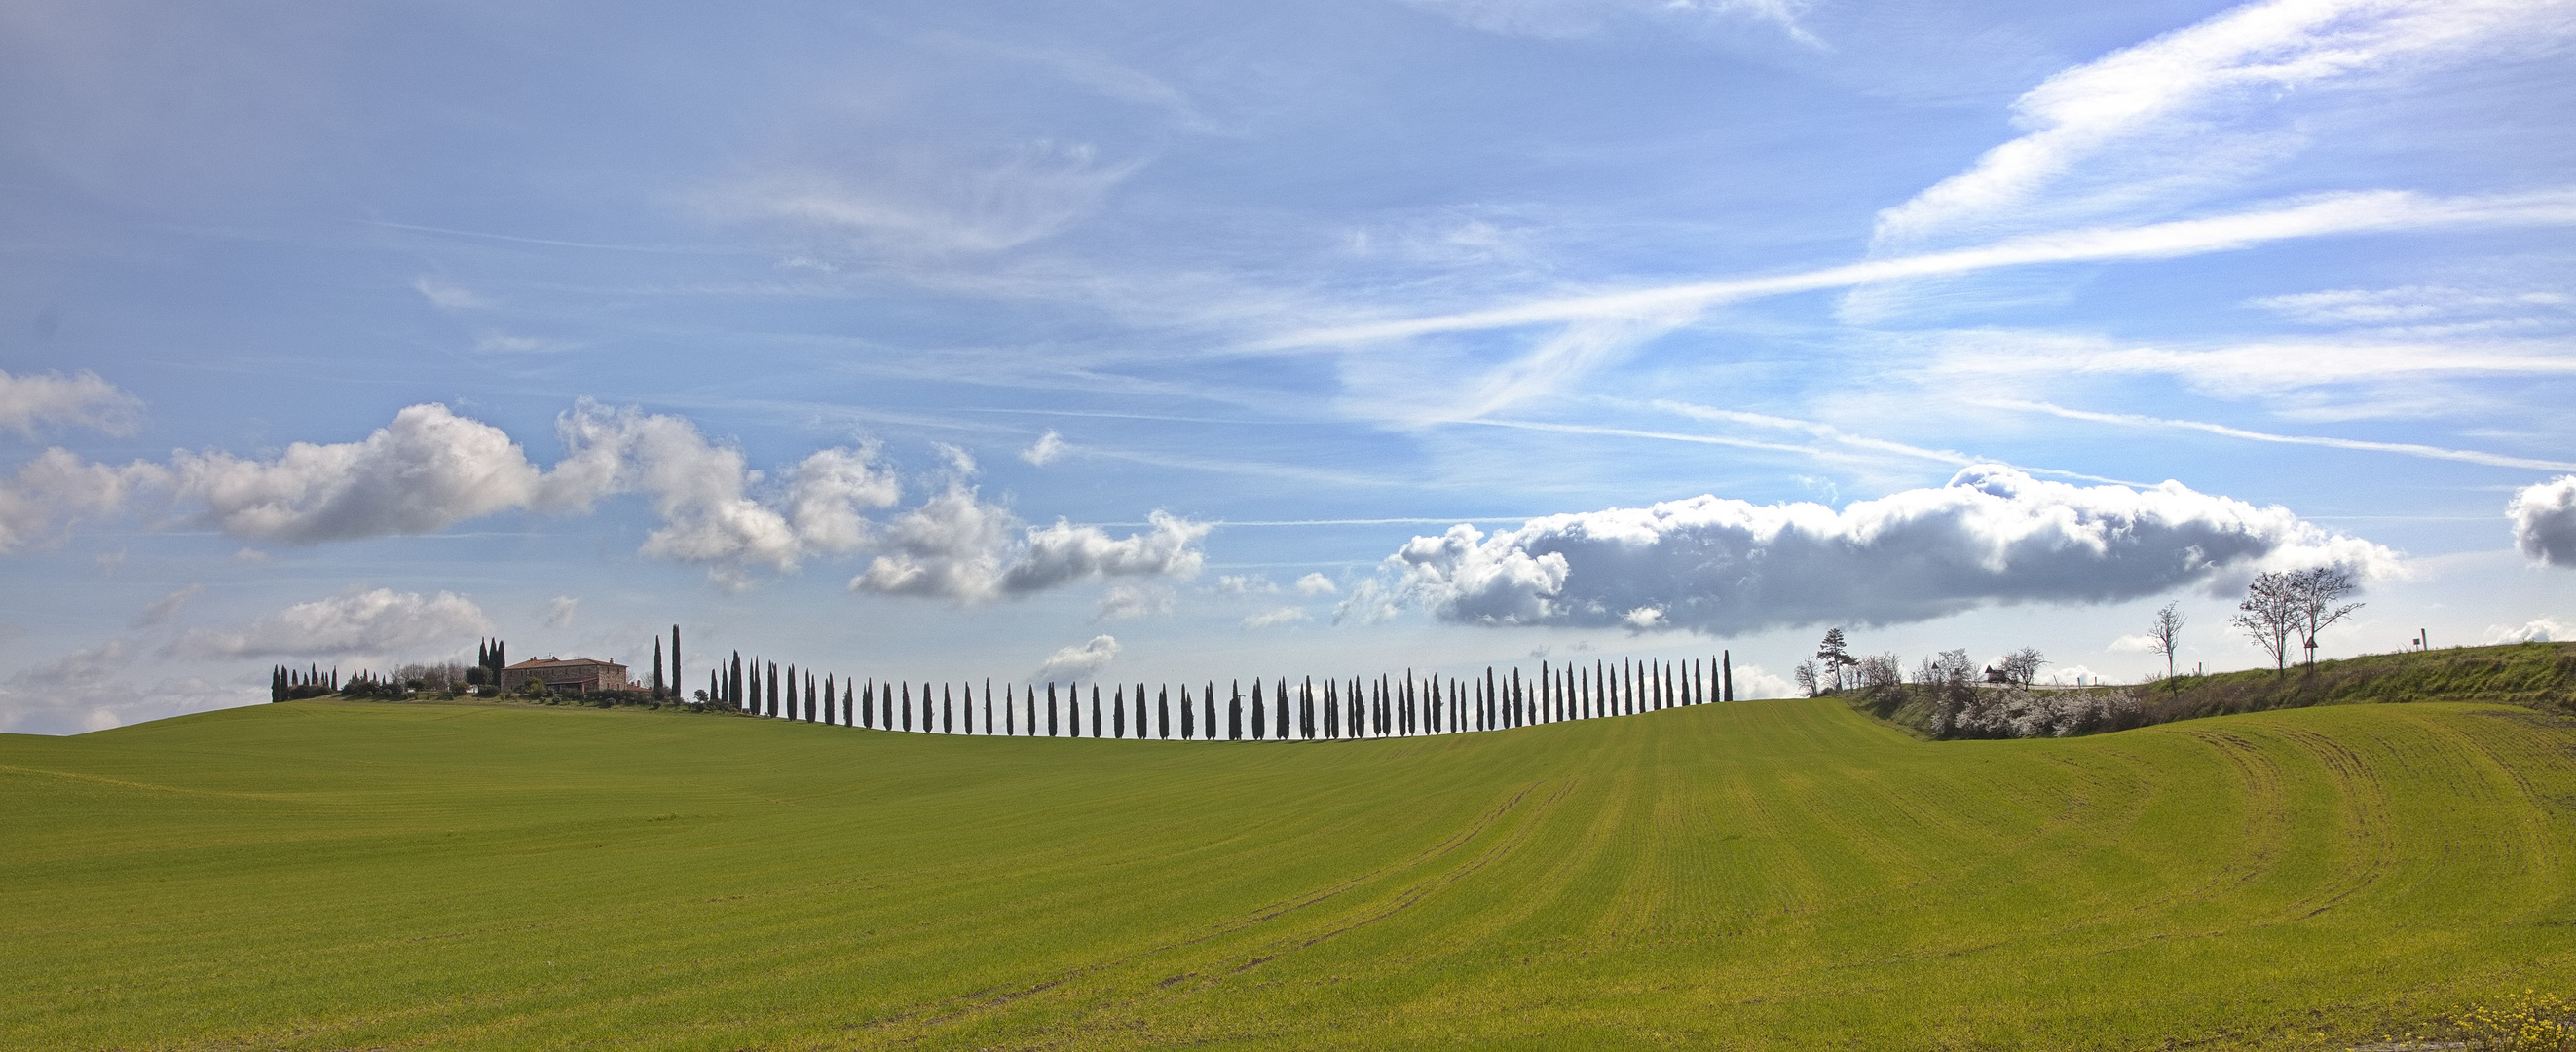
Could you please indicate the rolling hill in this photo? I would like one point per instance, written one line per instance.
(329, 874)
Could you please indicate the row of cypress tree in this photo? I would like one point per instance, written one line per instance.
(1384, 707)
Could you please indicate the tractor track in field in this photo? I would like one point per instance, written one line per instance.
(982, 1002)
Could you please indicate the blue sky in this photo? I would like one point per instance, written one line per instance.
(927, 341)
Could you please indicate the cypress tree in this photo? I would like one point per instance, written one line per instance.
(1234, 711)
(657, 668)
(1189, 721)
(1010, 703)
(1095, 708)
(829, 695)
(947, 708)
(1051, 724)
(1163, 709)
(907, 704)
(1260, 717)
(1032, 702)
(1726, 675)
(676, 678)
(1207, 699)
(1118, 713)
(988, 708)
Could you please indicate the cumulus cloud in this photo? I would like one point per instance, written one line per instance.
(704, 492)
(1126, 602)
(428, 469)
(1286, 615)
(957, 547)
(2135, 644)
(56, 489)
(382, 622)
(559, 611)
(160, 611)
(2537, 630)
(1049, 447)
(1081, 659)
(1315, 584)
(80, 400)
(2544, 521)
(1246, 584)
(1993, 535)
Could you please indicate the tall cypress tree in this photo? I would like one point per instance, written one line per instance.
(988, 708)
(829, 696)
(1095, 708)
(1207, 701)
(907, 704)
(657, 668)
(1189, 721)
(1051, 724)
(947, 708)
(1010, 703)
(1260, 715)
(678, 682)
(1234, 711)
(1118, 713)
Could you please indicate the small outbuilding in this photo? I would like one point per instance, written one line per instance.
(566, 675)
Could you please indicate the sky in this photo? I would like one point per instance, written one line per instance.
(1166, 341)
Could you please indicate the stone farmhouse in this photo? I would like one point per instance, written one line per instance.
(566, 675)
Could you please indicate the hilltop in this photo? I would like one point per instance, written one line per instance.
(330, 874)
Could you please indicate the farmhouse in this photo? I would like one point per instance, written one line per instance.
(569, 675)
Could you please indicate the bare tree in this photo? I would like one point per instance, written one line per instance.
(2022, 666)
(2167, 634)
(1805, 676)
(2317, 591)
(2271, 613)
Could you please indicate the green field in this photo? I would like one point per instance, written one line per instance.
(1758, 875)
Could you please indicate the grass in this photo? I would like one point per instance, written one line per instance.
(1770, 874)
(2535, 675)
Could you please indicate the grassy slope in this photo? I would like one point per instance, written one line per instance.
(2538, 675)
(1759, 875)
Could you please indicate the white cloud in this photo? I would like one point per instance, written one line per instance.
(1080, 659)
(1315, 584)
(957, 547)
(921, 200)
(160, 611)
(1370, 602)
(1126, 602)
(558, 612)
(1753, 683)
(2537, 630)
(425, 471)
(380, 623)
(2544, 521)
(2258, 367)
(447, 295)
(87, 691)
(2134, 644)
(1246, 584)
(703, 491)
(2470, 456)
(81, 400)
(1286, 615)
(2146, 113)
(2379, 211)
(1049, 447)
(1993, 535)
(2408, 305)
(56, 489)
